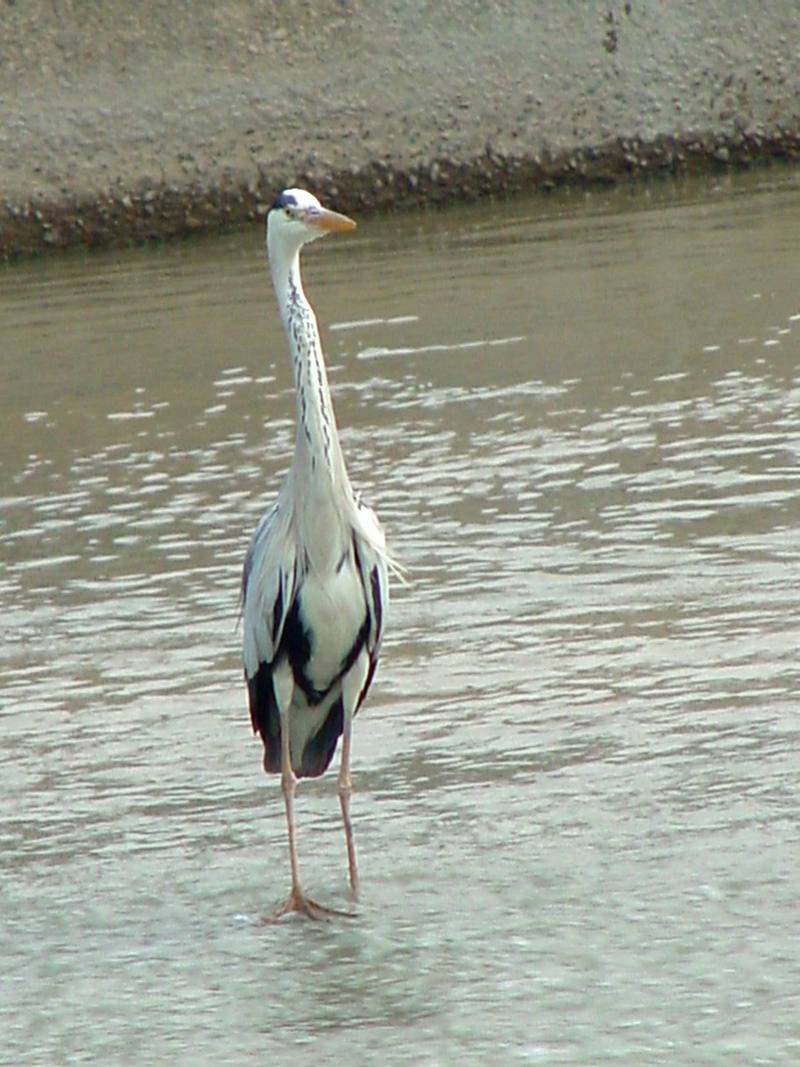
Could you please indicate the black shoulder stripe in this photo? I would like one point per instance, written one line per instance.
(277, 612)
(377, 605)
(356, 647)
(356, 556)
(296, 644)
(373, 663)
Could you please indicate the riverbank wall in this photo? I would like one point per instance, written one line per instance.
(123, 123)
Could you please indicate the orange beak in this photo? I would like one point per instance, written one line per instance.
(332, 221)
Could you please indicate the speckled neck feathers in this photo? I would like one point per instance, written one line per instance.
(318, 452)
(323, 504)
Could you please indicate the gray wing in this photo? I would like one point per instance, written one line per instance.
(268, 591)
(371, 561)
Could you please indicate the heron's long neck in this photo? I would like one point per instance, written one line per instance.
(318, 455)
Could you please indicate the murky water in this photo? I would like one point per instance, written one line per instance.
(577, 775)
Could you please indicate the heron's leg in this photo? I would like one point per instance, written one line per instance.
(297, 899)
(288, 787)
(345, 792)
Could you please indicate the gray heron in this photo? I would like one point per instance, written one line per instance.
(315, 581)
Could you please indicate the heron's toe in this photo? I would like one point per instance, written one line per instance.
(297, 901)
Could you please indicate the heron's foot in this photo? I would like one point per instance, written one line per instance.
(297, 901)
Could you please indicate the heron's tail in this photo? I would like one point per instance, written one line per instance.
(319, 749)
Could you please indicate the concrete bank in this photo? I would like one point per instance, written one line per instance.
(126, 122)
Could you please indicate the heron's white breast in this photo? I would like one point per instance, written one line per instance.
(332, 608)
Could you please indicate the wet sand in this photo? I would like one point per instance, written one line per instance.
(127, 123)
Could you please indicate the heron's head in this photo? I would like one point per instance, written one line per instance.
(296, 217)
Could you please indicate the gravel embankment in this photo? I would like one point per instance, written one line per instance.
(123, 122)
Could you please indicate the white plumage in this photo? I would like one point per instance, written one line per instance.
(315, 584)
